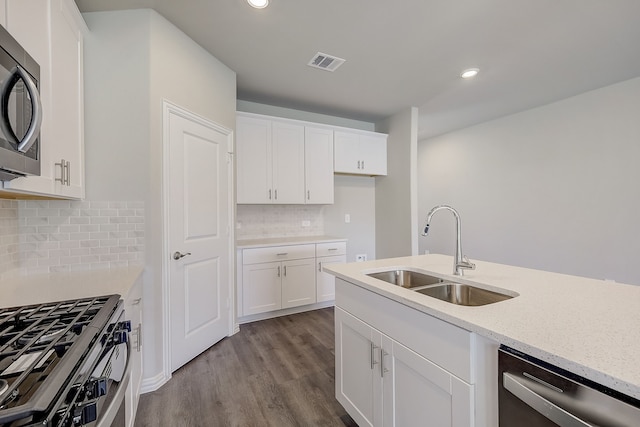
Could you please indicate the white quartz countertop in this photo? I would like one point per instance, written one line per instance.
(280, 241)
(586, 326)
(42, 288)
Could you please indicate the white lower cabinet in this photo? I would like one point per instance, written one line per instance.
(328, 253)
(383, 382)
(133, 312)
(287, 278)
(274, 278)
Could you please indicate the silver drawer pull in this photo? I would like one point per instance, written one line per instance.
(333, 249)
(283, 254)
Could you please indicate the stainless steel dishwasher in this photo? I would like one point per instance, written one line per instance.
(533, 393)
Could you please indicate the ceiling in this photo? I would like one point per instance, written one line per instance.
(405, 53)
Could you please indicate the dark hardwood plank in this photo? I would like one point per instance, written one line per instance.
(277, 372)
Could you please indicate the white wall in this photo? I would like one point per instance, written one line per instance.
(134, 60)
(396, 193)
(354, 195)
(553, 188)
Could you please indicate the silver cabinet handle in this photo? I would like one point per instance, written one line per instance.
(65, 172)
(358, 164)
(278, 271)
(139, 337)
(543, 406)
(382, 368)
(269, 194)
(177, 255)
(363, 164)
(275, 192)
(373, 354)
(308, 195)
(333, 249)
(319, 266)
(285, 271)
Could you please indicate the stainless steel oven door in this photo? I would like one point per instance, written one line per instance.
(106, 375)
(118, 372)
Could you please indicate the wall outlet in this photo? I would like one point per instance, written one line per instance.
(306, 223)
(361, 257)
(347, 218)
(426, 251)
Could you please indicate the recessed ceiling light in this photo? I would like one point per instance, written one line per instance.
(258, 4)
(469, 73)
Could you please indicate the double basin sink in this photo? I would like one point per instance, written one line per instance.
(435, 287)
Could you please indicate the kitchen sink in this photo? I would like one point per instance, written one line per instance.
(406, 278)
(436, 287)
(460, 294)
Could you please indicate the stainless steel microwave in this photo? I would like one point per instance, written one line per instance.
(20, 110)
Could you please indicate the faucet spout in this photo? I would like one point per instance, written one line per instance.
(460, 262)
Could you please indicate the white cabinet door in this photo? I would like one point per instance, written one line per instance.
(261, 288)
(52, 32)
(253, 149)
(133, 311)
(358, 385)
(416, 390)
(347, 152)
(325, 282)
(298, 282)
(288, 163)
(68, 96)
(318, 161)
(360, 153)
(373, 150)
(3, 13)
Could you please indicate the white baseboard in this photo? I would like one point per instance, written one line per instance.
(152, 384)
(284, 312)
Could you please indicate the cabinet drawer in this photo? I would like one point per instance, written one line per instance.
(331, 248)
(277, 253)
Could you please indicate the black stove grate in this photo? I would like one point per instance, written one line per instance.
(37, 353)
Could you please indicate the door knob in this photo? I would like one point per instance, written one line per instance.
(177, 255)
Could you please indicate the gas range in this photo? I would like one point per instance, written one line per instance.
(61, 363)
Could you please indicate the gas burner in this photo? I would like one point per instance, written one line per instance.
(5, 399)
(32, 338)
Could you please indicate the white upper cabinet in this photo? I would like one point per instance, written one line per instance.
(361, 153)
(283, 161)
(270, 162)
(254, 166)
(52, 32)
(318, 162)
(288, 163)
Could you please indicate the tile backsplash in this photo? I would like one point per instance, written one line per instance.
(45, 236)
(264, 221)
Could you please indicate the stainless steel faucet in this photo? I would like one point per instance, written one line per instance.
(460, 262)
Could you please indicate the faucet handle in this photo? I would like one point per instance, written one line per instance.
(466, 263)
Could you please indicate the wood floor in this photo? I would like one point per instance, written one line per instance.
(277, 372)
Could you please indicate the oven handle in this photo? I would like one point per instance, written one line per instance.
(548, 409)
(109, 414)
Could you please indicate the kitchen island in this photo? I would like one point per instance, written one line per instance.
(585, 326)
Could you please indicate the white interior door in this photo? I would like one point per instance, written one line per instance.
(198, 235)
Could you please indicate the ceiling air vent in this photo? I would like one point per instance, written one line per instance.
(325, 62)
